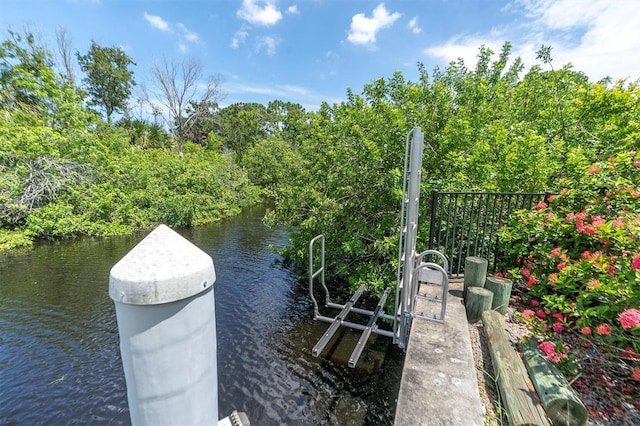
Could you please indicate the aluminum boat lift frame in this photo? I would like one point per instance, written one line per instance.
(413, 272)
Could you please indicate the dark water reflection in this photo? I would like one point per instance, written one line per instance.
(59, 349)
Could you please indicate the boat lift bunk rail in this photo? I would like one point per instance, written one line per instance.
(339, 320)
(413, 272)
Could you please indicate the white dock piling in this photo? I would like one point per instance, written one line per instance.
(164, 299)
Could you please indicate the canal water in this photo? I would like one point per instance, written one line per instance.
(59, 349)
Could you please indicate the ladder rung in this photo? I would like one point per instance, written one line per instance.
(431, 298)
(429, 317)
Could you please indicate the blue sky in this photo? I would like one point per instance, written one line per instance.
(309, 51)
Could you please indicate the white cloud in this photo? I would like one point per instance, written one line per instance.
(188, 34)
(309, 99)
(331, 54)
(562, 14)
(239, 37)
(465, 47)
(282, 91)
(327, 75)
(301, 91)
(261, 12)
(267, 43)
(413, 25)
(363, 30)
(604, 38)
(157, 22)
(183, 36)
(293, 10)
(600, 40)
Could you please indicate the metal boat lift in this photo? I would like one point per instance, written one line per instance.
(415, 275)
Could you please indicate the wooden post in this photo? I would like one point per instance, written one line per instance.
(517, 393)
(475, 272)
(478, 300)
(501, 289)
(559, 400)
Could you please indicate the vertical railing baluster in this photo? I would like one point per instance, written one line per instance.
(432, 222)
(477, 230)
(470, 220)
(484, 226)
(461, 233)
(440, 218)
(454, 230)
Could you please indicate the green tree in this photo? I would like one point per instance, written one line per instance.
(202, 119)
(270, 163)
(24, 74)
(31, 91)
(242, 125)
(108, 79)
(289, 120)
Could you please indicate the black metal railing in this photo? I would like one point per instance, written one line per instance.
(466, 223)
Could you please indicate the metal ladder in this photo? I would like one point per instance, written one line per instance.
(413, 272)
(408, 234)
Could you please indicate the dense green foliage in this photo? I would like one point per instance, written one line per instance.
(489, 128)
(63, 172)
(578, 257)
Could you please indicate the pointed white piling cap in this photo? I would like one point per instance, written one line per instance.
(164, 267)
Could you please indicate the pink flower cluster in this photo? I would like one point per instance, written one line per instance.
(541, 206)
(604, 329)
(549, 350)
(531, 280)
(629, 319)
(587, 228)
(558, 326)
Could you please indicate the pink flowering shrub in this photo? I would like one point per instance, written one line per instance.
(578, 254)
(553, 352)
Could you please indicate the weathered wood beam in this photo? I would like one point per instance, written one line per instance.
(560, 402)
(518, 396)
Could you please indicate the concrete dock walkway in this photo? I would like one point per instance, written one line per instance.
(439, 384)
